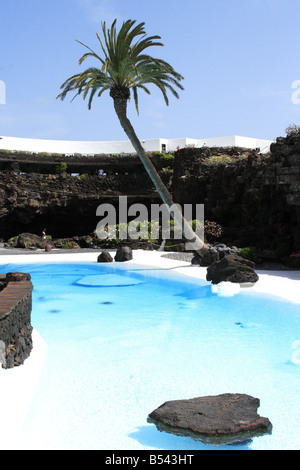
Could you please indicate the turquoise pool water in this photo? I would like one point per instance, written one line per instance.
(123, 339)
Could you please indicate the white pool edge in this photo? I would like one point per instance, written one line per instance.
(17, 388)
(282, 284)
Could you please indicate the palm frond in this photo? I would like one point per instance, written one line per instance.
(124, 65)
(88, 54)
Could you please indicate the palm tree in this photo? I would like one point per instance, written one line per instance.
(125, 67)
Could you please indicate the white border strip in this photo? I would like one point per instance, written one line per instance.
(283, 284)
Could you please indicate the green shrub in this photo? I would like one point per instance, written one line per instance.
(147, 229)
(44, 154)
(113, 242)
(195, 224)
(219, 160)
(12, 241)
(70, 245)
(61, 168)
(247, 253)
(167, 170)
(169, 245)
(165, 156)
(144, 230)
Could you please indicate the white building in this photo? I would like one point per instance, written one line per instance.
(119, 147)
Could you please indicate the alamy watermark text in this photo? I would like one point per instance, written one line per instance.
(296, 94)
(2, 92)
(158, 223)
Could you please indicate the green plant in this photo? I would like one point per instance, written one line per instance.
(113, 242)
(70, 245)
(219, 160)
(169, 245)
(61, 168)
(44, 154)
(112, 234)
(120, 230)
(167, 170)
(12, 241)
(195, 224)
(165, 156)
(146, 229)
(247, 253)
(143, 231)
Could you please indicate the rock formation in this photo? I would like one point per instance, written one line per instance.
(105, 257)
(124, 253)
(255, 198)
(229, 418)
(232, 268)
(15, 318)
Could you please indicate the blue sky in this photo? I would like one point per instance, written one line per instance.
(239, 59)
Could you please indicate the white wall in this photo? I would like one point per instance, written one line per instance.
(237, 141)
(64, 146)
(220, 141)
(229, 141)
(263, 145)
(118, 147)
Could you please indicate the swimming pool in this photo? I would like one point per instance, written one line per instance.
(123, 338)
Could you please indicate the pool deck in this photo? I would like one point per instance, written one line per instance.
(17, 385)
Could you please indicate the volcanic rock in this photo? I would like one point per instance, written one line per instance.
(223, 419)
(124, 253)
(17, 277)
(27, 240)
(232, 268)
(105, 257)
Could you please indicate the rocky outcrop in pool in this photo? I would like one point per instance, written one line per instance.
(224, 419)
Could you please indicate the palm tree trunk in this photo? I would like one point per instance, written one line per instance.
(200, 247)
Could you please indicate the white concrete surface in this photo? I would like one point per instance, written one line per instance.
(119, 147)
(17, 385)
